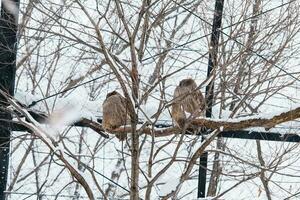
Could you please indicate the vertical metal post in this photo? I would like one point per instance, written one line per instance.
(8, 49)
(209, 92)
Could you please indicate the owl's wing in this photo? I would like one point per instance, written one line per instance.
(124, 110)
(200, 99)
(114, 111)
(179, 94)
(178, 114)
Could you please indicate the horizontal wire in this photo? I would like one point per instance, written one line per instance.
(174, 48)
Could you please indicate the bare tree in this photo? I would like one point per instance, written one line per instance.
(72, 53)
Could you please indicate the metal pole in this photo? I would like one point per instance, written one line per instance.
(8, 49)
(209, 92)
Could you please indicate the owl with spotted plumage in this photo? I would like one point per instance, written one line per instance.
(188, 99)
(115, 113)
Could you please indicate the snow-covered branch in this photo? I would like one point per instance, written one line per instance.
(35, 127)
(236, 124)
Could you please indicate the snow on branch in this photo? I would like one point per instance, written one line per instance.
(35, 127)
(266, 122)
(225, 125)
(246, 122)
(196, 124)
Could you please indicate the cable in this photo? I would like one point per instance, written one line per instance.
(88, 167)
(226, 27)
(181, 45)
(74, 87)
(46, 195)
(252, 51)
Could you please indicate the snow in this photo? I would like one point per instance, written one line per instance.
(72, 108)
(11, 7)
(65, 115)
(169, 186)
(76, 60)
(221, 128)
(25, 97)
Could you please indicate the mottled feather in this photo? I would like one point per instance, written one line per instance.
(187, 98)
(115, 113)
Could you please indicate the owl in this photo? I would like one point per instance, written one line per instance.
(115, 113)
(187, 99)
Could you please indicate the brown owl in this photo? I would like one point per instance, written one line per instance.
(187, 98)
(115, 113)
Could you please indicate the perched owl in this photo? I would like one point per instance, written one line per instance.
(115, 113)
(187, 99)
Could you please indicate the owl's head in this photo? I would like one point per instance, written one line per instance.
(187, 82)
(112, 93)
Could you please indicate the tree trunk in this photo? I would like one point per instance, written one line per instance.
(134, 164)
(8, 49)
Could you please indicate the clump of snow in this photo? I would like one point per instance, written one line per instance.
(25, 97)
(68, 109)
(169, 186)
(65, 116)
(221, 128)
(149, 110)
(12, 7)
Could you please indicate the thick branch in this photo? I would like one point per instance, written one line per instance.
(228, 125)
(242, 123)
